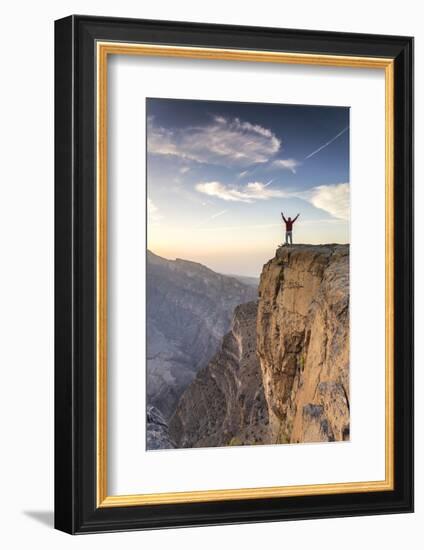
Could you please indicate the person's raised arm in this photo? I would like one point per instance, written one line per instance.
(296, 217)
(282, 215)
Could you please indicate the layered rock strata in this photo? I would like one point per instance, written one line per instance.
(225, 404)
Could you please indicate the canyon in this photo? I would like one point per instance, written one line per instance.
(281, 374)
(225, 404)
(188, 311)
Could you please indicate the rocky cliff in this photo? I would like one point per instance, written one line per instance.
(157, 433)
(303, 343)
(189, 309)
(282, 373)
(225, 404)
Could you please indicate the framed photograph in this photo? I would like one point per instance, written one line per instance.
(234, 274)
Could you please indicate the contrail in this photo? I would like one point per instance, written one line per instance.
(242, 174)
(207, 220)
(269, 183)
(326, 144)
(241, 227)
(217, 215)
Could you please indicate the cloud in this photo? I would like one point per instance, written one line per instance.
(223, 141)
(287, 164)
(247, 193)
(334, 199)
(152, 212)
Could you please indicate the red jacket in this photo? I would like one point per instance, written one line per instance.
(289, 223)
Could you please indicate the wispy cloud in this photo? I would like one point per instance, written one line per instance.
(231, 142)
(152, 212)
(261, 226)
(250, 192)
(287, 164)
(333, 199)
(327, 143)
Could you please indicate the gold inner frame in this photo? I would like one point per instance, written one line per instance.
(104, 49)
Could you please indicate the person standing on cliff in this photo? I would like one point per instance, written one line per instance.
(289, 227)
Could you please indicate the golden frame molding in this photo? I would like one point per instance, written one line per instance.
(103, 51)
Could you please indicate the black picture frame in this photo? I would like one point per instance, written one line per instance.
(76, 508)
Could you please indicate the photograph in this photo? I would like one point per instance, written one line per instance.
(233, 267)
(247, 274)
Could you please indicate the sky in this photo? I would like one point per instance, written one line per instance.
(219, 174)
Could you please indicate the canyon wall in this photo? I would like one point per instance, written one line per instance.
(303, 342)
(225, 404)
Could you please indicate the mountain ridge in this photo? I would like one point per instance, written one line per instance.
(189, 309)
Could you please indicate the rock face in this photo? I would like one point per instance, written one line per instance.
(157, 433)
(189, 309)
(225, 404)
(303, 343)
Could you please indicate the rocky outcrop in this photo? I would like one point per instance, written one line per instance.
(225, 404)
(157, 433)
(303, 343)
(189, 309)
